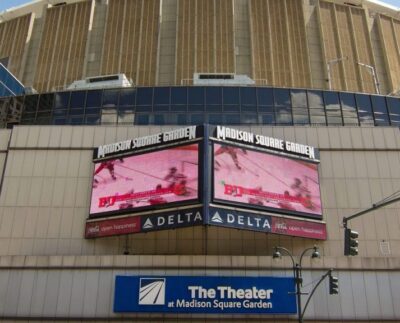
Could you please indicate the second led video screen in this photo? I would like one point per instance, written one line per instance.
(264, 180)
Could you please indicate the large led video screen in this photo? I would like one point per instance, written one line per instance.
(266, 181)
(149, 180)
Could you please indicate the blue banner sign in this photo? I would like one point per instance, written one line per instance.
(172, 219)
(239, 220)
(207, 294)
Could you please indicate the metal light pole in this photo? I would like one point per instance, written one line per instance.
(328, 68)
(297, 272)
(372, 69)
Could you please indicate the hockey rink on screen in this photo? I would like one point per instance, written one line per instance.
(263, 179)
(160, 177)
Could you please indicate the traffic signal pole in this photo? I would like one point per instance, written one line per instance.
(350, 236)
(373, 208)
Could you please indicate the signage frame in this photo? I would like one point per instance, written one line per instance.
(169, 205)
(205, 295)
(216, 200)
(281, 221)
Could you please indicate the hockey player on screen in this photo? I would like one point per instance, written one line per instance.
(231, 151)
(177, 181)
(257, 200)
(108, 165)
(303, 192)
(299, 188)
(285, 204)
(157, 199)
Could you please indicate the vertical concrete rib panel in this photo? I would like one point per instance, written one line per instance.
(364, 48)
(14, 36)
(140, 44)
(89, 40)
(167, 43)
(66, 54)
(279, 54)
(390, 50)
(355, 45)
(289, 42)
(347, 47)
(158, 44)
(330, 41)
(131, 39)
(339, 39)
(244, 63)
(61, 53)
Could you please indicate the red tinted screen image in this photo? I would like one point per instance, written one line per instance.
(266, 180)
(153, 178)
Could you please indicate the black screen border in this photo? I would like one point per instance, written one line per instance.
(171, 205)
(249, 206)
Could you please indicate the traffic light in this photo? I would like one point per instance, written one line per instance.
(350, 242)
(333, 285)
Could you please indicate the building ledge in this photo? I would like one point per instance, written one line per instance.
(196, 262)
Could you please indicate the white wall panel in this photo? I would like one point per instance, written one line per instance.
(51, 293)
(76, 137)
(33, 137)
(321, 297)
(100, 137)
(89, 292)
(372, 295)
(25, 293)
(64, 293)
(359, 295)
(395, 291)
(346, 295)
(39, 162)
(66, 136)
(333, 134)
(4, 277)
(77, 293)
(391, 137)
(13, 288)
(39, 293)
(105, 296)
(88, 137)
(345, 138)
(44, 137)
(19, 137)
(55, 136)
(367, 137)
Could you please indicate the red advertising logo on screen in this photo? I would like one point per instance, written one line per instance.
(266, 180)
(122, 185)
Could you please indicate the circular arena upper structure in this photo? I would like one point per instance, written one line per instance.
(312, 44)
(277, 62)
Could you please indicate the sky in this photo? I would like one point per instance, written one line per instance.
(6, 4)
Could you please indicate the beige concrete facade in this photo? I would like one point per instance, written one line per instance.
(46, 188)
(164, 42)
(48, 269)
(49, 272)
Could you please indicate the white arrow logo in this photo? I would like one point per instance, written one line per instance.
(148, 224)
(216, 218)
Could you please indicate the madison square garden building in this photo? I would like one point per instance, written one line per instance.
(153, 153)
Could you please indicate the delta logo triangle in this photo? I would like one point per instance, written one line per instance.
(148, 224)
(216, 218)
